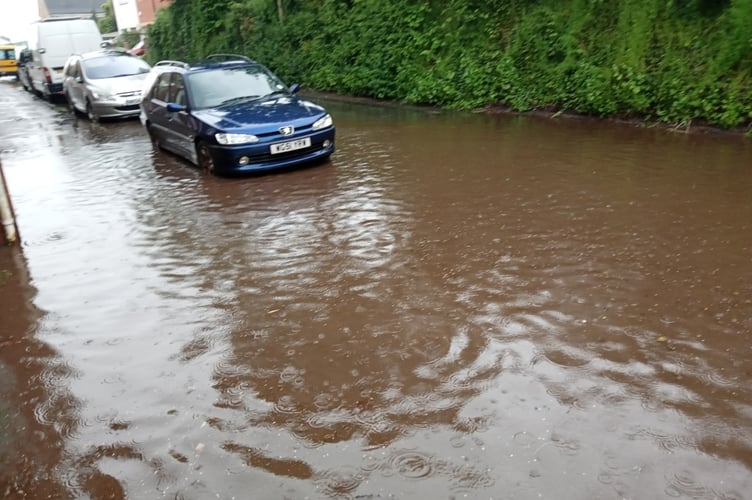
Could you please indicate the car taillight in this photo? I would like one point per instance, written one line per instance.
(47, 75)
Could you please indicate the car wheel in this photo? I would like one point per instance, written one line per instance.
(205, 160)
(90, 113)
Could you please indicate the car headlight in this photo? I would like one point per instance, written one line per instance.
(100, 94)
(228, 139)
(324, 122)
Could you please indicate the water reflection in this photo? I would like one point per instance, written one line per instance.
(455, 305)
(37, 409)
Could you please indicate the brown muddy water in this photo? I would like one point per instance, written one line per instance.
(456, 306)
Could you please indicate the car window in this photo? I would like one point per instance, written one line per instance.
(98, 68)
(162, 87)
(214, 87)
(25, 56)
(177, 93)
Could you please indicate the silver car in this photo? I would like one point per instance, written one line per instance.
(104, 84)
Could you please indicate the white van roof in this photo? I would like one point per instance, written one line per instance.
(62, 37)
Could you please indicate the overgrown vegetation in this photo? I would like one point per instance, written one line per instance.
(675, 61)
(107, 23)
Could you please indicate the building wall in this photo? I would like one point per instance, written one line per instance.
(126, 14)
(43, 12)
(147, 10)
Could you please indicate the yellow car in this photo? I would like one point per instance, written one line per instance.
(8, 63)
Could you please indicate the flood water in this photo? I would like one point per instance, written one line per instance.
(456, 306)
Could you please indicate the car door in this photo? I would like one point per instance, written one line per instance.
(160, 122)
(74, 86)
(36, 74)
(181, 122)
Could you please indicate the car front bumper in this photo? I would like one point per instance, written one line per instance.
(110, 109)
(229, 159)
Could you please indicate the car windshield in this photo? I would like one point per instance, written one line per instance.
(214, 88)
(113, 66)
(7, 54)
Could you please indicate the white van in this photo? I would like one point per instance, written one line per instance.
(52, 41)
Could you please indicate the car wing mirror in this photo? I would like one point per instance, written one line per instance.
(79, 79)
(174, 107)
(294, 88)
(42, 51)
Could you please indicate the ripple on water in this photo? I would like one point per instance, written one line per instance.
(290, 375)
(324, 401)
(339, 483)
(412, 465)
(683, 485)
(286, 404)
(376, 424)
(467, 479)
(667, 442)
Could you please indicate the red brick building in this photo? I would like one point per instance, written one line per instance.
(147, 9)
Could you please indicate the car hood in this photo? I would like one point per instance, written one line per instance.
(121, 84)
(263, 116)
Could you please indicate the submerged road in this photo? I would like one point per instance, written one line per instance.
(456, 306)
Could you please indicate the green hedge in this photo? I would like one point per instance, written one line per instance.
(673, 61)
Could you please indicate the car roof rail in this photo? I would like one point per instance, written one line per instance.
(167, 62)
(228, 57)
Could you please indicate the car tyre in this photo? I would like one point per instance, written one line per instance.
(153, 137)
(205, 160)
(90, 113)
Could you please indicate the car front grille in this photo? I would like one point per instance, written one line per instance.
(132, 107)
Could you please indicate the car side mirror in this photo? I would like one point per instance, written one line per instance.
(294, 88)
(79, 79)
(42, 51)
(174, 107)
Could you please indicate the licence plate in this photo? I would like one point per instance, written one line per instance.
(284, 147)
(130, 102)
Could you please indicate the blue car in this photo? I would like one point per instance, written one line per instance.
(230, 115)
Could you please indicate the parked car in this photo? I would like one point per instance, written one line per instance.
(24, 58)
(8, 63)
(52, 42)
(139, 49)
(231, 115)
(104, 83)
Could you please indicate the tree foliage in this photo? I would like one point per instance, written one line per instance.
(669, 60)
(107, 23)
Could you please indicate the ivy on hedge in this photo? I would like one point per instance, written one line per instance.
(674, 61)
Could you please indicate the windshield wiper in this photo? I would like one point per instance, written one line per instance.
(238, 99)
(283, 92)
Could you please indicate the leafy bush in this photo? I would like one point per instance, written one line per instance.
(670, 60)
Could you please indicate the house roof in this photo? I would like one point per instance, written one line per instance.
(73, 7)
